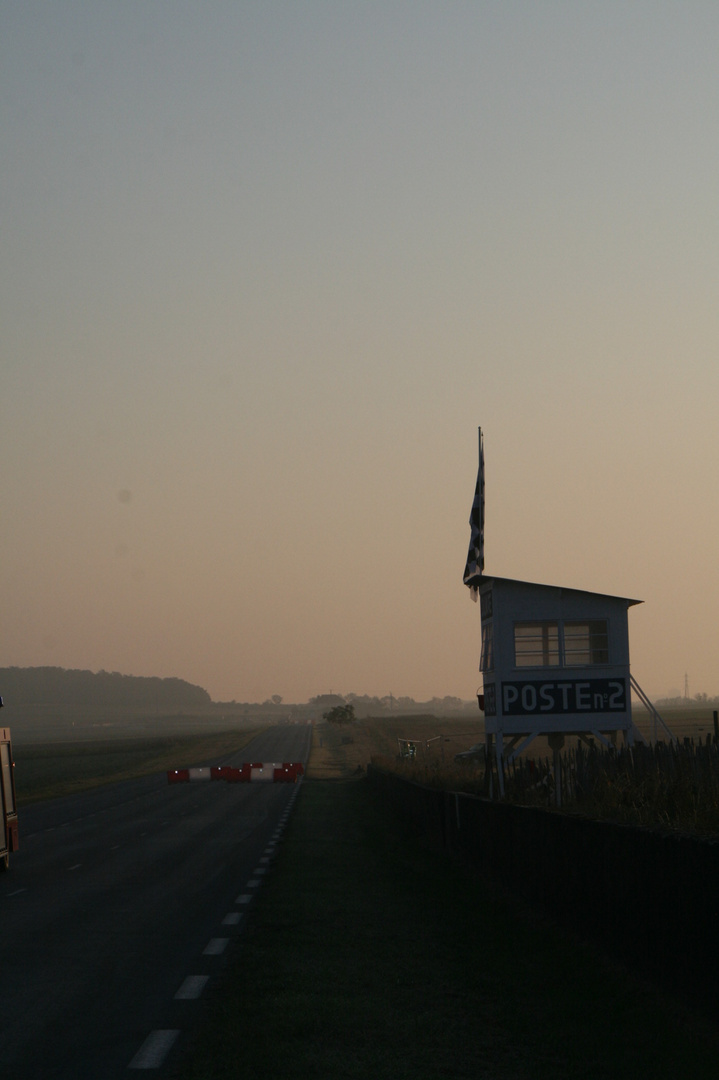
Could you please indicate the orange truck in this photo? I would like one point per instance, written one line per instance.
(8, 833)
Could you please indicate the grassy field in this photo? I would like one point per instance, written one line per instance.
(673, 786)
(439, 739)
(369, 956)
(64, 723)
(52, 768)
(45, 771)
(341, 752)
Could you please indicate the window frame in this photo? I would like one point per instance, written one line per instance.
(547, 625)
(546, 645)
(486, 656)
(593, 646)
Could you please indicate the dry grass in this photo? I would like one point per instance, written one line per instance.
(674, 787)
(342, 752)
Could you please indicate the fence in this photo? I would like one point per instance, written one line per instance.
(675, 784)
(649, 898)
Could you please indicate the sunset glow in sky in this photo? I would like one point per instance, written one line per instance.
(266, 268)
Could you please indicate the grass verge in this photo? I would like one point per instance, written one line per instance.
(342, 752)
(370, 956)
(46, 771)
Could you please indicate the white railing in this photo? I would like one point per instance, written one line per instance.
(656, 718)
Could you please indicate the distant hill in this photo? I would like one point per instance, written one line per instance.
(103, 689)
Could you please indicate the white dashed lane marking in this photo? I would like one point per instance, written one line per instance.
(215, 946)
(154, 1050)
(192, 987)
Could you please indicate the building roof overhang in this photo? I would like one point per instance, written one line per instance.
(479, 580)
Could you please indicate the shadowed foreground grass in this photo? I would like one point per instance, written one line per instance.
(368, 956)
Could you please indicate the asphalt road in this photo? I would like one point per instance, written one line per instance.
(119, 908)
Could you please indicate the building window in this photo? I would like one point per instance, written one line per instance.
(586, 643)
(555, 644)
(486, 660)
(536, 644)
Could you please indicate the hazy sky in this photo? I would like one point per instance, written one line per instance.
(267, 267)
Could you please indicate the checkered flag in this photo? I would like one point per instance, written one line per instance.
(475, 556)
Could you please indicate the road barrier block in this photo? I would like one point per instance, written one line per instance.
(202, 773)
(278, 772)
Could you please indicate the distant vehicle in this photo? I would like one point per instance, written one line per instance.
(9, 833)
(474, 754)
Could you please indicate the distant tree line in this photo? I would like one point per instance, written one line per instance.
(686, 702)
(366, 705)
(105, 689)
(48, 686)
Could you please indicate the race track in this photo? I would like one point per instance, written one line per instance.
(119, 908)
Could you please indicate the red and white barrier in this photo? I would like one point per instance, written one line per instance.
(276, 772)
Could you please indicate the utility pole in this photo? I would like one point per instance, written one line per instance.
(686, 686)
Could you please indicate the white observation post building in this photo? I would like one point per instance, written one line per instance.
(554, 660)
